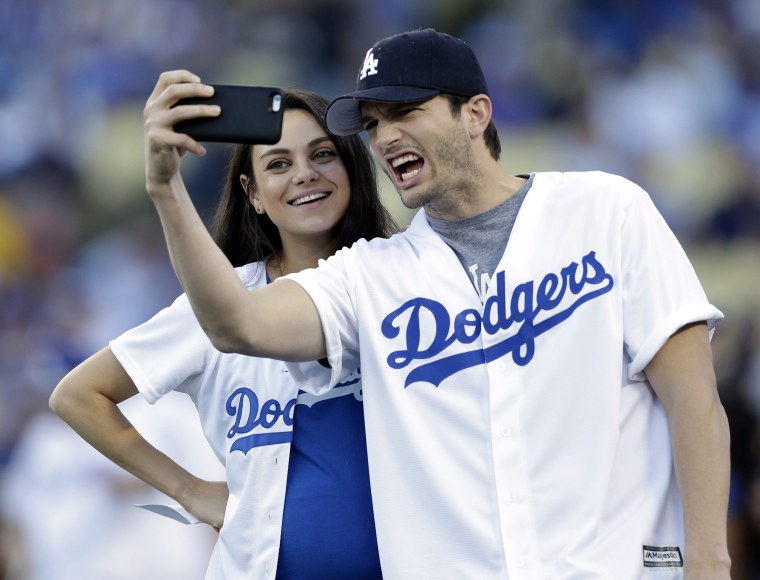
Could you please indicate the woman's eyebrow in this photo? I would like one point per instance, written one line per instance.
(278, 151)
(285, 151)
(318, 140)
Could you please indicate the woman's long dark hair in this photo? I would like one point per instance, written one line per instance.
(246, 236)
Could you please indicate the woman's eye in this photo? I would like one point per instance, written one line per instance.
(277, 164)
(324, 154)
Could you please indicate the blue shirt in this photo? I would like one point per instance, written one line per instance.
(328, 527)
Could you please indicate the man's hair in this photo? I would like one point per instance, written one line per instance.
(490, 136)
(245, 236)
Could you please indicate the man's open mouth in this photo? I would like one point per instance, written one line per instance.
(407, 166)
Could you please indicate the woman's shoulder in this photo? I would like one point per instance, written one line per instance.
(252, 275)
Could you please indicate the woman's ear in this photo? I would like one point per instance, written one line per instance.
(250, 189)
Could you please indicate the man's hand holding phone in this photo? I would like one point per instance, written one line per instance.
(250, 115)
(182, 112)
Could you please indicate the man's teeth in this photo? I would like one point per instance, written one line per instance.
(308, 198)
(404, 159)
(409, 175)
(400, 161)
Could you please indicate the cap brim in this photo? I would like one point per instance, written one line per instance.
(344, 115)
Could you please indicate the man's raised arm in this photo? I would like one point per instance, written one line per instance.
(279, 322)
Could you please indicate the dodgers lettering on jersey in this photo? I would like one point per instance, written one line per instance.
(243, 405)
(529, 300)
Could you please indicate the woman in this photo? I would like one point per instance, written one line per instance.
(283, 208)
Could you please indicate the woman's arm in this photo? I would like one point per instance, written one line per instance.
(682, 375)
(87, 399)
(279, 321)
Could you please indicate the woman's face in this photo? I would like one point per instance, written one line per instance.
(300, 182)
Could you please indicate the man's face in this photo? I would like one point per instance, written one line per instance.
(424, 149)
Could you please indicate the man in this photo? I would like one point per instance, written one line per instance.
(539, 394)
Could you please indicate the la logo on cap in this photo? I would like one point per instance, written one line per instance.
(370, 65)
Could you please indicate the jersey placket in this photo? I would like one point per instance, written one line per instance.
(511, 473)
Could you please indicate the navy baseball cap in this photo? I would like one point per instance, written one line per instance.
(407, 67)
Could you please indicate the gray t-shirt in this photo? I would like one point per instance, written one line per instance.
(479, 241)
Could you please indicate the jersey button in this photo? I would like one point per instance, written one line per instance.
(513, 496)
(520, 562)
(506, 432)
(501, 367)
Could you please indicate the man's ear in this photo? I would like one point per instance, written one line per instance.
(250, 190)
(479, 112)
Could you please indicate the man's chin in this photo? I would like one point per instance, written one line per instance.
(413, 199)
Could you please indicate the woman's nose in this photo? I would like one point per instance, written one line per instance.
(305, 173)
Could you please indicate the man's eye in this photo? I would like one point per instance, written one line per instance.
(369, 125)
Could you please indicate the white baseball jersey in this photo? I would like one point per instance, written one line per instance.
(246, 407)
(516, 437)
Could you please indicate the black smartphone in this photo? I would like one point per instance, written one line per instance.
(249, 115)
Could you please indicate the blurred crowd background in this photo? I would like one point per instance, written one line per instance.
(664, 92)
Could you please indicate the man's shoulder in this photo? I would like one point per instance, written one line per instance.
(381, 253)
(399, 242)
(586, 183)
(595, 177)
(403, 240)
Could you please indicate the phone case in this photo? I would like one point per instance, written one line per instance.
(249, 115)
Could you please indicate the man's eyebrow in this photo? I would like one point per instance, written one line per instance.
(285, 151)
(391, 109)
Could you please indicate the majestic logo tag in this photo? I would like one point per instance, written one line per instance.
(669, 557)
(428, 320)
(370, 65)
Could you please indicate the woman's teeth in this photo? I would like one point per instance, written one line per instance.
(308, 198)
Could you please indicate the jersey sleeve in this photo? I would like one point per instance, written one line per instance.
(661, 291)
(166, 353)
(330, 288)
